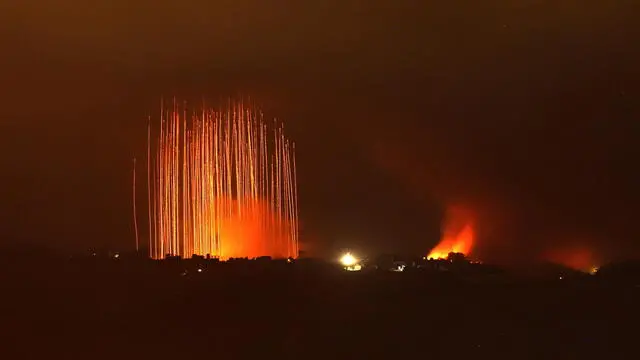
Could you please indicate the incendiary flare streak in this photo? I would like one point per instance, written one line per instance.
(135, 212)
(220, 183)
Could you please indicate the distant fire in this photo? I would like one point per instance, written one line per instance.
(458, 234)
(579, 258)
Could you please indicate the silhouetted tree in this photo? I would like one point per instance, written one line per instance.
(455, 257)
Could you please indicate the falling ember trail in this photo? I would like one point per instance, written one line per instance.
(221, 183)
(458, 234)
(135, 217)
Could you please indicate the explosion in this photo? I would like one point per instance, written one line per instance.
(350, 262)
(220, 183)
(458, 234)
(348, 259)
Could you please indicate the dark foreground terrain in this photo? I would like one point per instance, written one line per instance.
(149, 310)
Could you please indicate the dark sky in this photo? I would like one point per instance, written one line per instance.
(526, 112)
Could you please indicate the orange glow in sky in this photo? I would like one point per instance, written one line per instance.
(579, 258)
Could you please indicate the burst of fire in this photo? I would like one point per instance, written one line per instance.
(458, 235)
(221, 183)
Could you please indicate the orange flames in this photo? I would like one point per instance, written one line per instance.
(253, 231)
(458, 234)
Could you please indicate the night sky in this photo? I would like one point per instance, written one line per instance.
(525, 112)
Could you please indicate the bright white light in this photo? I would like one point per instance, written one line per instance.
(348, 260)
(199, 270)
(116, 256)
(355, 267)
